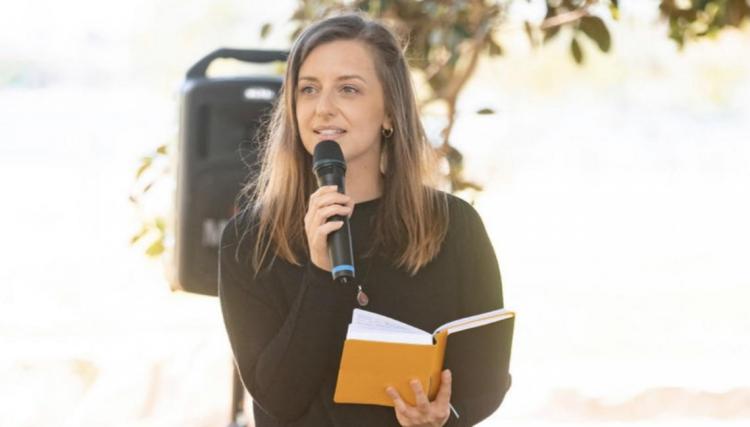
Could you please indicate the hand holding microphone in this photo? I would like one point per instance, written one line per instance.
(327, 218)
(325, 203)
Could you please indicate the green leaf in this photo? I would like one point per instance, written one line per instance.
(155, 249)
(265, 30)
(486, 111)
(575, 49)
(615, 12)
(145, 164)
(594, 27)
(162, 149)
(160, 224)
(137, 236)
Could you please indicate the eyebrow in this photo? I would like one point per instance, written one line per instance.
(345, 77)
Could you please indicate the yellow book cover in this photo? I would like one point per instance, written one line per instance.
(380, 351)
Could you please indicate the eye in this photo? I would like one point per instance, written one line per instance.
(350, 89)
(306, 89)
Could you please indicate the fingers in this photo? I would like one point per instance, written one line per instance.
(423, 404)
(325, 202)
(327, 195)
(426, 412)
(322, 215)
(398, 403)
(446, 381)
(323, 231)
(318, 238)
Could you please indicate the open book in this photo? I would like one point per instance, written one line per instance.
(380, 351)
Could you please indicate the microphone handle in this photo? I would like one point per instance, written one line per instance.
(339, 241)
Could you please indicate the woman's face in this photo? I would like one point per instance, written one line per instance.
(339, 97)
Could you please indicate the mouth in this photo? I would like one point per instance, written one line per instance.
(329, 134)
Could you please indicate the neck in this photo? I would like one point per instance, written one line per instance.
(363, 182)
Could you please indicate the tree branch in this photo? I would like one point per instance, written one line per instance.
(566, 17)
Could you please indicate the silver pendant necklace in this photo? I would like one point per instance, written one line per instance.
(362, 298)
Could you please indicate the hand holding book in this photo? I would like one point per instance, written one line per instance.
(380, 352)
(425, 412)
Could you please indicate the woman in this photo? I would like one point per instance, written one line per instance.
(422, 256)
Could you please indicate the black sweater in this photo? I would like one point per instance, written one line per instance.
(287, 325)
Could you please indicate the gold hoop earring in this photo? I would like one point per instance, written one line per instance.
(386, 132)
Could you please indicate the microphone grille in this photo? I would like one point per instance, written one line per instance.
(327, 152)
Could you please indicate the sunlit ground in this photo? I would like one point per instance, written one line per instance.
(616, 198)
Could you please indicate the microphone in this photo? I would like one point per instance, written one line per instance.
(330, 168)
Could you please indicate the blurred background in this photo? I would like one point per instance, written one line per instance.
(615, 182)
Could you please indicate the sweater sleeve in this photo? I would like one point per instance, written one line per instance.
(480, 381)
(281, 357)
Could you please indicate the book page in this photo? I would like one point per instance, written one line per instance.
(375, 320)
(475, 321)
(359, 332)
(367, 325)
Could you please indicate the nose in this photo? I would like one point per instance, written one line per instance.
(326, 106)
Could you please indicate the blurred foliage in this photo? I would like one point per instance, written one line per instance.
(153, 169)
(446, 40)
(692, 19)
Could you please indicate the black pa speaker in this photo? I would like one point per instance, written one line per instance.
(219, 119)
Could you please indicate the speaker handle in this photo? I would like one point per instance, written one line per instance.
(198, 70)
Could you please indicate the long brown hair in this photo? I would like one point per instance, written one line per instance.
(413, 216)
